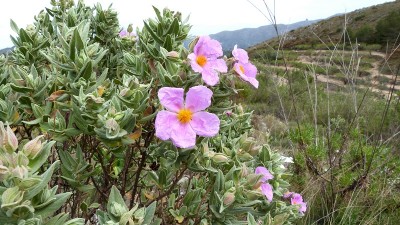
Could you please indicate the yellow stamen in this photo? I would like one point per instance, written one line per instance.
(201, 60)
(185, 115)
(241, 68)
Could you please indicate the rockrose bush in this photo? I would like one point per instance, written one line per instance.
(102, 125)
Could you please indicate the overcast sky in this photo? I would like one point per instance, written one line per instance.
(206, 16)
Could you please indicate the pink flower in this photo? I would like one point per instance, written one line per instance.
(204, 60)
(266, 188)
(126, 34)
(265, 172)
(297, 199)
(243, 67)
(182, 121)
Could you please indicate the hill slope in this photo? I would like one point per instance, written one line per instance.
(330, 31)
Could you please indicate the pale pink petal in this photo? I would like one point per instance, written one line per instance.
(240, 55)
(171, 98)
(193, 63)
(253, 82)
(205, 124)
(182, 135)
(164, 122)
(250, 70)
(265, 172)
(198, 98)
(219, 65)
(210, 76)
(296, 199)
(303, 207)
(266, 189)
(208, 47)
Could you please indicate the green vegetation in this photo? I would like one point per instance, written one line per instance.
(326, 99)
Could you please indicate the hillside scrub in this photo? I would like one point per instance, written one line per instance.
(334, 107)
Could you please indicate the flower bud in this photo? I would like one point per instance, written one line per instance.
(33, 147)
(253, 180)
(244, 171)
(173, 54)
(20, 172)
(220, 158)
(229, 196)
(130, 28)
(10, 141)
(3, 172)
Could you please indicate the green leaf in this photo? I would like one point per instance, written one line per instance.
(86, 71)
(251, 220)
(150, 210)
(155, 36)
(46, 176)
(54, 206)
(158, 14)
(14, 26)
(115, 197)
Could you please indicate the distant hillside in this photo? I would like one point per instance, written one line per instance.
(6, 50)
(373, 25)
(247, 37)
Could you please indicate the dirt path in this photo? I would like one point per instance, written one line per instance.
(373, 79)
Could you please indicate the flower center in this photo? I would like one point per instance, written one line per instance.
(201, 60)
(185, 115)
(241, 68)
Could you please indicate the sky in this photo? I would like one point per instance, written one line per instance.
(206, 16)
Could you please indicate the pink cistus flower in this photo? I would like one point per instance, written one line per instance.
(266, 188)
(126, 34)
(183, 120)
(243, 67)
(205, 60)
(296, 199)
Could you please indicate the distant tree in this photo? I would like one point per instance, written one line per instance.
(364, 34)
(388, 28)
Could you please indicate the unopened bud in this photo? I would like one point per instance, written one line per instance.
(130, 28)
(253, 180)
(20, 172)
(10, 141)
(173, 54)
(33, 147)
(229, 198)
(220, 158)
(3, 172)
(244, 171)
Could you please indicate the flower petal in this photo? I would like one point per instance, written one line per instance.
(205, 124)
(171, 98)
(249, 74)
(265, 172)
(208, 47)
(165, 120)
(219, 65)
(303, 207)
(198, 98)
(240, 55)
(266, 189)
(210, 76)
(182, 135)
